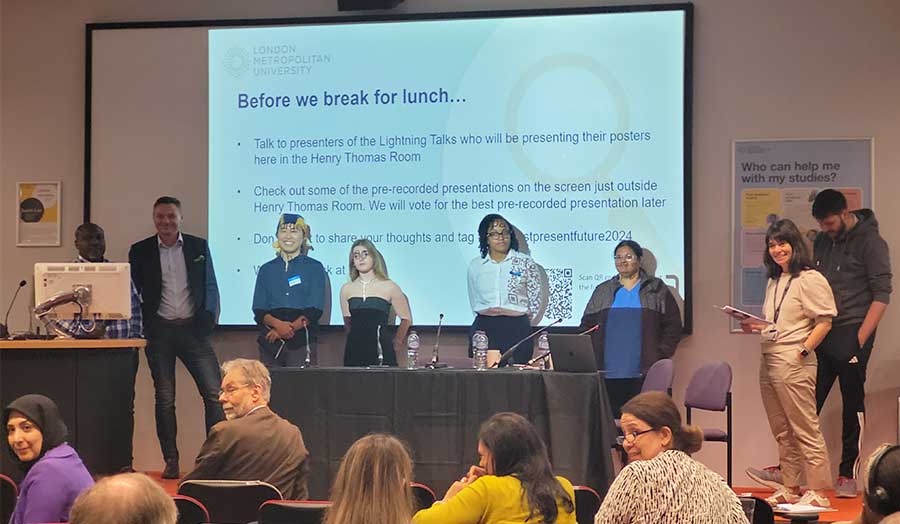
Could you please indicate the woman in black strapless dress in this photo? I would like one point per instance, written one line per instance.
(369, 303)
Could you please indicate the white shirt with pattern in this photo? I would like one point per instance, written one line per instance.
(511, 287)
(671, 488)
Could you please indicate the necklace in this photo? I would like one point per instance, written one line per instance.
(365, 284)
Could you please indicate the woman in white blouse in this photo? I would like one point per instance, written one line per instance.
(504, 288)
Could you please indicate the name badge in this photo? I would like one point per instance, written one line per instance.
(294, 280)
(515, 273)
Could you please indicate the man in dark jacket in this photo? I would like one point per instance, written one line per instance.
(854, 258)
(173, 272)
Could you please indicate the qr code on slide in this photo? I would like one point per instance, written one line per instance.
(560, 299)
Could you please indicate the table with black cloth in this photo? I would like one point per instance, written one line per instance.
(92, 382)
(438, 414)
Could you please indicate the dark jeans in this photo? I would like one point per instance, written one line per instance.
(841, 358)
(196, 353)
(503, 332)
(620, 391)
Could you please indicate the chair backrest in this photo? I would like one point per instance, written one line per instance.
(758, 511)
(709, 387)
(293, 511)
(423, 496)
(190, 510)
(659, 376)
(230, 501)
(8, 494)
(587, 504)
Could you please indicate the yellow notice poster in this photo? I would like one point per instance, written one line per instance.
(38, 214)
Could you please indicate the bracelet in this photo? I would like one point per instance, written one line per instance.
(804, 351)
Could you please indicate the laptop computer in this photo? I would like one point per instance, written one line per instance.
(572, 353)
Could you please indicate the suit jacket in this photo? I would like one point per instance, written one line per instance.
(146, 273)
(258, 446)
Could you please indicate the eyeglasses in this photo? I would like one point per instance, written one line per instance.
(360, 255)
(230, 390)
(631, 437)
(624, 258)
(495, 235)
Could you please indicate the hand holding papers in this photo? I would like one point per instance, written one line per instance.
(749, 321)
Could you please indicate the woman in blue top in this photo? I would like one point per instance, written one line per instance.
(637, 322)
(289, 297)
(54, 473)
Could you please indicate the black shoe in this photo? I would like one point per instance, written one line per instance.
(171, 471)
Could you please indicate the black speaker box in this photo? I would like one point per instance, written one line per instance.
(362, 5)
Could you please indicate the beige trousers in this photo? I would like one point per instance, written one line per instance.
(787, 383)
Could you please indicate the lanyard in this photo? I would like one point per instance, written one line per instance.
(780, 302)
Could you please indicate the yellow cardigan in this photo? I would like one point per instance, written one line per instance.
(491, 500)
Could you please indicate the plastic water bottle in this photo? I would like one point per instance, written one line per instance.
(480, 345)
(412, 350)
(543, 347)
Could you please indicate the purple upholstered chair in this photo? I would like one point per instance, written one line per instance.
(659, 377)
(710, 390)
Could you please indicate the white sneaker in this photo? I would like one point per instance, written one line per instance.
(782, 496)
(811, 498)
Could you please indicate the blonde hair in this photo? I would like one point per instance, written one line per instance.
(372, 484)
(254, 373)
(380, 266)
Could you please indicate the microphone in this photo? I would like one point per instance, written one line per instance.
(4, 330)
(595, 327)
(538, 358)
(378, 345)
(437, 341)
(509, 352)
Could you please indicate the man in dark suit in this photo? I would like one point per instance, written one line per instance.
(254, 443)
(174, 274)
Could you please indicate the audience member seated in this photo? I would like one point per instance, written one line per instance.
(881, 491)
(662, 484)
(252, 443)
(54, 473)
(512, 483)
(372, 484)
(129, 498)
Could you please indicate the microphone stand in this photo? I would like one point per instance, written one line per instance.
(4, 327)
(380, 350)
(509, 352)
(308, 359)
(435, 364)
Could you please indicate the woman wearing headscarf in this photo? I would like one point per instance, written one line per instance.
(54, 473)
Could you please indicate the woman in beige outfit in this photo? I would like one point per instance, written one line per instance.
(799, 306)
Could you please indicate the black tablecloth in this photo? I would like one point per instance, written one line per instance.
(439, 412)
(94, 389)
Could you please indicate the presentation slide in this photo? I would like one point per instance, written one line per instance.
(409, 132)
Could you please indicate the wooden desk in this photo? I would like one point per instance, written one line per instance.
(92, 382)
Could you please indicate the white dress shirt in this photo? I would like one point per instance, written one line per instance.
(175, 302)
(511, 287)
